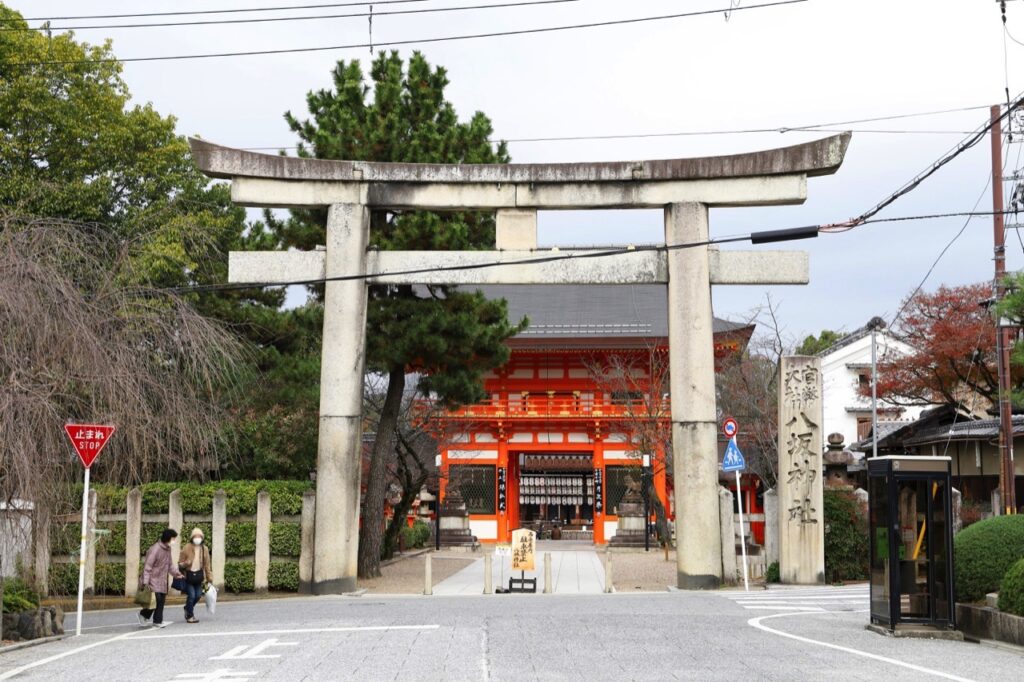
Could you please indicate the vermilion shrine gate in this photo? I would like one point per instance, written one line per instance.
(684, 188)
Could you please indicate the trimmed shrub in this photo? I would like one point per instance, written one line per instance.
(65, 539)
(846, 537)
(240, 576)
(240, 539)
(114, 542)
(19, 596)
(1011, 593)
(197, 498)
(772, 575)
(983, 553)
(283, 576)
(63, 579)
(285, 539)
(150, 534)
(109, 579)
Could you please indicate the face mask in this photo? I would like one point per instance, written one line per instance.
(197, 541)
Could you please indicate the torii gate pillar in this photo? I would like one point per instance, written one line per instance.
(692, 388)
(684, 188)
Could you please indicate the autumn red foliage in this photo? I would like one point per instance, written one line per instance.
(954, 337)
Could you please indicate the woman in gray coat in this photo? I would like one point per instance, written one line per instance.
(159, 564)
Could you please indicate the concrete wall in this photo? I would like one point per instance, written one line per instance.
(841, 397)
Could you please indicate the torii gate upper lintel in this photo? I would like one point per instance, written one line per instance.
(684, 188)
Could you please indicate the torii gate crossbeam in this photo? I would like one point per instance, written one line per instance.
(684, 188)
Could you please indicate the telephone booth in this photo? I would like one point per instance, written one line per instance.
(910, 520)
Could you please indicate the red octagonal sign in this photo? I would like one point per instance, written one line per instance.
(89, 440)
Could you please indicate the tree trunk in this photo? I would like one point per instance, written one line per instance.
(660, 515)
(398, 521)
(371, 535)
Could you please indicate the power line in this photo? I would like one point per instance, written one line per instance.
(208, 22)
(947, 247)
(219, 11)
(912, 184)
(417, 41)
(810, 128)
(762, 237)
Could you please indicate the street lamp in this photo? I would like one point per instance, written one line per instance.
(646, 460)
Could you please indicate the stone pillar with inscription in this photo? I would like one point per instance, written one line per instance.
(801, 513)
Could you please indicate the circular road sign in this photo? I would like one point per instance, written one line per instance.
(730, 427)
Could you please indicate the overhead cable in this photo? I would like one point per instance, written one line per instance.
(555, 255)
(415, 41)
(258, 20)
(280, 8)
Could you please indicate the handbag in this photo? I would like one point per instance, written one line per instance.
(145, 597)
(195, 577)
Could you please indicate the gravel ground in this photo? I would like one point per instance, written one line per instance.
(640, 571)
(405, 575)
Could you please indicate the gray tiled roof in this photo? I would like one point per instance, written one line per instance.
(966, 430)
(572, 311)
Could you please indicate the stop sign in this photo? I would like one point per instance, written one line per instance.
(89, 440)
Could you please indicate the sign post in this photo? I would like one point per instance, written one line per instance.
(523, 543)
(733, 461)
(88, 441)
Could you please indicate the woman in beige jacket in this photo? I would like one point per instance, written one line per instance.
(194, 562)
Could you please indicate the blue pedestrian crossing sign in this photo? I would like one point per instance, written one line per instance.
(733, 458)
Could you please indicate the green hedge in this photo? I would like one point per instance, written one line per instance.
(109, 579)
(240, 576)
(1011, 593)
(984, 552)
(240, 539)
(65, 539)
(285, 539)
(846, 537)
(197, 498)
(283, 576)
(64, 579)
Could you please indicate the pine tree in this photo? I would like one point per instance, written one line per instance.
(449, 337)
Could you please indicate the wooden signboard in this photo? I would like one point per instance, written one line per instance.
(523, 547)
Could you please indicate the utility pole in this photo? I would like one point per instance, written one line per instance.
(1007, 483)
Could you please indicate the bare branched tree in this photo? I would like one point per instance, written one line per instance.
(638, 383)
(81, 341)
(747, 390)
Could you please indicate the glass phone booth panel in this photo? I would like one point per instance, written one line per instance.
(909, 508)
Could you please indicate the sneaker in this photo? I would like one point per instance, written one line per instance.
(191, 619)
(162, 625)
(143, 621)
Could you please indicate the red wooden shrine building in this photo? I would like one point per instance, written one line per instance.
(568, 417)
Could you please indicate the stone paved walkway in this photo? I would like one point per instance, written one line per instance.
(575, 571)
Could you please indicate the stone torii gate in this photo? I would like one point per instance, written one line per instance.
(684, 188)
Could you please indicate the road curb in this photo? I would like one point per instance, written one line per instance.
(30, 642)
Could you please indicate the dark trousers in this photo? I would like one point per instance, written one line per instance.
(192, 596)
(158, 612)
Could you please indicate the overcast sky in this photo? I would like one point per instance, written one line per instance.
(813, 62)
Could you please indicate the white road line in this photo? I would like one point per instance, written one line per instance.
(295, 631)
(784, 608)
(756, 622)
(28, 666)
(483, 655)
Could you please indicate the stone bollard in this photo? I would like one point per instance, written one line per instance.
(727, 530)
(608, 586)
(547, 573)
(488, 557)
(262, 570)
(132, 542)
(428, 587)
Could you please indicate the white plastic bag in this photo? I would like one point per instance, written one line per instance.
(211, 599)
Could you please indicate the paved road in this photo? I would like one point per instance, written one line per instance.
(656, 636)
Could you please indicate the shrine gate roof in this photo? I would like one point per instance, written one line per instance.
(592, 311)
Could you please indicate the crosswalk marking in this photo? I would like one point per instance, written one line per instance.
(812, 599)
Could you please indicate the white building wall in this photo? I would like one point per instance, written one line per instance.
(840, 393)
